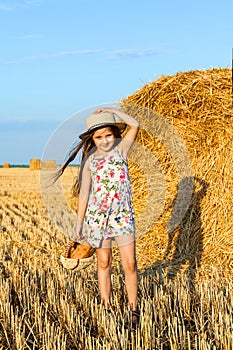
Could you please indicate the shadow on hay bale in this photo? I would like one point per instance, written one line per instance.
(198, 106)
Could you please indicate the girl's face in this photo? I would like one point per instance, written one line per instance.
(104, 139)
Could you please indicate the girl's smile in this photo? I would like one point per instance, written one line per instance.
(104, 139)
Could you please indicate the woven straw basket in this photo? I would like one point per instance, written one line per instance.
(77, 256)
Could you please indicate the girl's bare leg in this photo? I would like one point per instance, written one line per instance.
(104, 259)
(129, 265)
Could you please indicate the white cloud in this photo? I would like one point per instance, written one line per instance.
(4, 7)
(27, 125)
(132, 53)
(115, 54)
(74, 52)
(50, 56)
(31, 3)
(16, 5)
(30, 36)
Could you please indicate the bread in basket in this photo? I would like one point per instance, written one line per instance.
(77, 256)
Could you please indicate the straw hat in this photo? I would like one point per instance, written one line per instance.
(77, 256)
(96, 121)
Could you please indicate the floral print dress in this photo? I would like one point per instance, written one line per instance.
(110, 209)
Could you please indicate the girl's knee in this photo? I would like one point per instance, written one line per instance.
(104, 262)
(129, 266)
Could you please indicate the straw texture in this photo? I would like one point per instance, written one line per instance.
(186, 124)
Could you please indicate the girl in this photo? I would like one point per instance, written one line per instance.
(105, 210)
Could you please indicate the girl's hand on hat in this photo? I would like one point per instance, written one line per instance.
(104, 110)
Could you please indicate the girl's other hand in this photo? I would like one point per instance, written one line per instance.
(77, 235)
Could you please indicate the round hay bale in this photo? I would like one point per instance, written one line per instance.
(6, 165)
(198, 105)
(35, 164)
(51, 164)
(48, 164)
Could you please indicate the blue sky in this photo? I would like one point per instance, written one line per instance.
(61, 57)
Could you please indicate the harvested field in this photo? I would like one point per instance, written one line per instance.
(184, 245)
(44, 306)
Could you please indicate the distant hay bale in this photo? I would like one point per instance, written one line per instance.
(198, 106)
(48, 164)
(6, 165)
(35, 164)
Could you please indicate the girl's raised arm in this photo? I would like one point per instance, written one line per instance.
(131, 134)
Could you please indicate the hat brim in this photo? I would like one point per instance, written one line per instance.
(121, 127)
